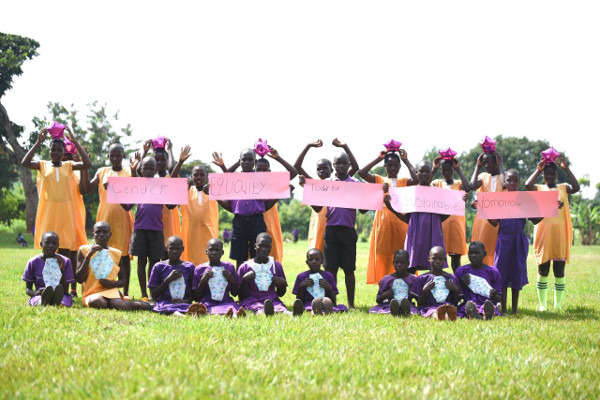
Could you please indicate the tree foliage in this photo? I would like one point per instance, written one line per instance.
(14, 51)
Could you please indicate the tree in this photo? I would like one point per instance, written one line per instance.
(14, 51)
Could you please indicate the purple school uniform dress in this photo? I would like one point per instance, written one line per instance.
(255, 298)
(510, 257)
(34, 273)
(307, 295)
(490, 274)
(149, 217)
(339, 216)
(438, 296)
(178, 289)
(217, 297)
(424, 231)
(401, 288)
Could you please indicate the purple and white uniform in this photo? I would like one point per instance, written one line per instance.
(438, 296)
(38, 271)
(217, 297)
(481, 278)
(402, 287)
(307, 295)
(178, 289)
(262, 287)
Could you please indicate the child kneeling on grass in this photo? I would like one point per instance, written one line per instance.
(440, 290)
(316, 289)
(481, 285)
(170, 281)
(397, 289)
(262, 280)
(215, 282)
(51, 273)
(97, 269)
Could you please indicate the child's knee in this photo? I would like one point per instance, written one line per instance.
(96, 301)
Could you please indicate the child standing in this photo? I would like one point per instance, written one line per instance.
(424, 229)
(440, 290)
(481, 285)
(512, 247)
(56, 210)
(215, 282)
(553, 236)
(120, 220)
(397, 289)
(97, 269)
(50, 272)
(262, 280)
(170, 281)
(454, 228)
(490, 181)
(316, 289)
(387, 230)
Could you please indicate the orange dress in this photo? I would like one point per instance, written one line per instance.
(454, 227)
(274, 229)
(387, 236)
(553, 235)
(92, 285)
(316, 229)
(80, 236)
(483, 231)
(199, 224)
(120, 221)
(55, 207)
(171, 222)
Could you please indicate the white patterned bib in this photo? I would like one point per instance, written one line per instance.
(264, 276)
(101, 264)
(479, 285)
(177, 288)
(217, 284)
(400, 289)
(440, 292)
(51, 272)
(316, 290)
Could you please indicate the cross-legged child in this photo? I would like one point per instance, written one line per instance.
(396, 290)
(170, 281)
(120, 220)
(262, 280)
(454, 228)
(316, 289)
(215, 282)
(50, 273)
(481, 285)
(512, 247)
(553, 236)
(387, 230)
(97, 269)
(440, 291)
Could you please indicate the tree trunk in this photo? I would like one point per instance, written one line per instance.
(29, 187)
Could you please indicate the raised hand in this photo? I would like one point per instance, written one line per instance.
(561, 162)
(147, 145)
(135, 160)
(185, 153)
(337, 143)
(301, 180)
(273, 153)
(541, 165)
(403, 154)
(480, 160)
(168, 144)
(437, 162)
(317, 143)
(218, 159)
(455, 163)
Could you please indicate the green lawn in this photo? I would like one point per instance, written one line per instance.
(50, 352)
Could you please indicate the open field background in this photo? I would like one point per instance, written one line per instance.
(50, 352)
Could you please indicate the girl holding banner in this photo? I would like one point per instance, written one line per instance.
(553, 236)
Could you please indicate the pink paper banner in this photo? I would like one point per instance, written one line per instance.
(249, 186)
(363, 196)
(427, 199)
(503, 205)
(147, 190)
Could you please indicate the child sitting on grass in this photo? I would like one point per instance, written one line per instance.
(170, 281)
(215, 282)
(262, 280)
(397, 288)
(51, 273)
(97, 269)
(481, 285)
(440, 290)
(316, 289)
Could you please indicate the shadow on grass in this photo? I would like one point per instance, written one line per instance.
(579, 313)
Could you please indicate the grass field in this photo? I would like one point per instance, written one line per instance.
(82, 353)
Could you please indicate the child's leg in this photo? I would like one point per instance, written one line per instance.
(558, 268)
(125, 305)
(141, 272)
(96, 301)
(125, 266)
(73, 258)
(455, 262)
(515, 300)
(350, 287)
(504, 297)
(151, 262)
(542, 285)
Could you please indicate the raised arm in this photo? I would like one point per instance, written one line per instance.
(413, 180)
(364, 172)
(530, 183)
(169, 149)
(300, 160)
(27, 159)
(475, 181)
(573, 185)
(85, 162)
(183, 156)
(353, 164)
(466, 187)
(274, 154)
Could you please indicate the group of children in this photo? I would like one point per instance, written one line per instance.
(156, 234)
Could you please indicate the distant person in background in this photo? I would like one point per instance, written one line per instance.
(226, 235)
(21, 240)
(295, 233)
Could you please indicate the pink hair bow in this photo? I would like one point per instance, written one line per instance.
(447, 154)
(550, 155)
(261, 147)
(488, 145)
(56, 130)
(392, 146)
(159, 143)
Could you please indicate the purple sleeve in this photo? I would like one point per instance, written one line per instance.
(496, 280)
(242, 270)
(279, 270)
(69, 278)
(382, 285)
(296, 288)
(28, 274)
(460, 272)
(416, 287)
(198, 272)
(190, 267)
(156, 275)
(457, 283)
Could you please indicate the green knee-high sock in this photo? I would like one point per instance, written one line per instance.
(559, 292)
(542, 291)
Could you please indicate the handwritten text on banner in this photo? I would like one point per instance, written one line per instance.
(123, 190)
(249, 186)
(427, 199)
(363, 196)
(503, 205)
